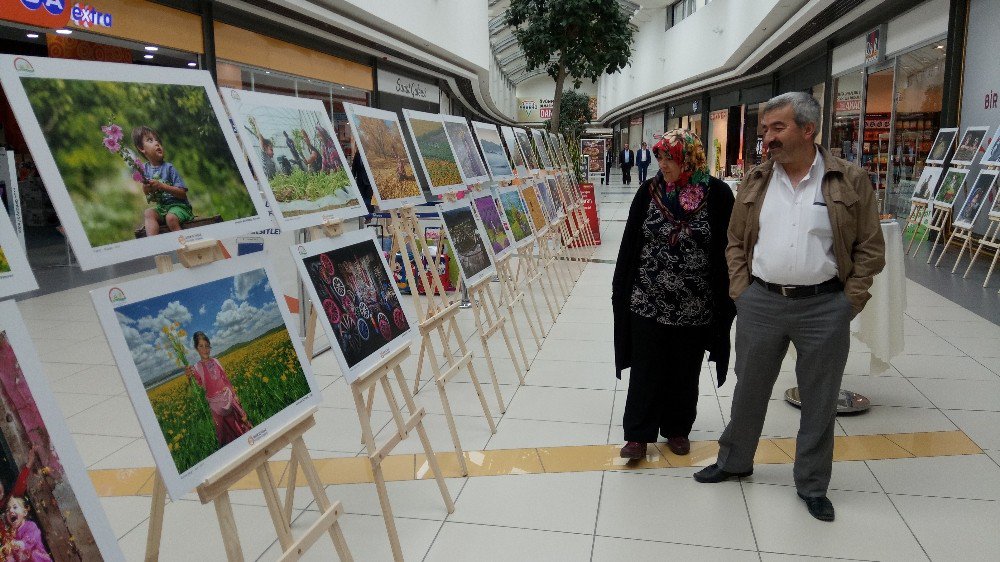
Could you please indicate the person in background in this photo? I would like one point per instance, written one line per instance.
(361, 177)
(626, 160)
(804, 245)
(642, 159)
(609, 163)
(670, 294)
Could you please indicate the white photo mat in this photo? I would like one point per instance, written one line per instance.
(944, 142)
(20, 278)
(461, 126)
(475, 240)
(243, 105)
(13, 68)
(926, 185)
(487, 132)
(140, 290)
(977, 198)
(411, 116)
(323, 245)
(353, 112)
(543, 154)
(524, 143)
(482, 197)
(512, 194)
(75, 472)
(975, 135)
(992, 155)
(960, 175)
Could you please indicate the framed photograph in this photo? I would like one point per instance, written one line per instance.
(52, 511)
(492, 223)
(514, 149)
(951, 187)
(437, 157)
(553, 143)
(995, 209)
(968, 147)
(469, 160)
(380, 142)
(208, 362)
(927, 184)
(942, 146)
(992, 155)
(545, 196)
(492, 146)
(295, 155)
(15, 271)
(352, 288)
(516, 212)
(460, 226)
(538, 219)
(979, 195)
(595, 148)
(133, 157)
(538, 139)
(524, 143)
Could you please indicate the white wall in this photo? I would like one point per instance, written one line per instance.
(702, 43)
(460, 27)
(543, 86)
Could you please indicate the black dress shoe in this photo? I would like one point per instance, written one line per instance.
(821, 508)
(713, 474)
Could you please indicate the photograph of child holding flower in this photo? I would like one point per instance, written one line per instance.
(215, 360)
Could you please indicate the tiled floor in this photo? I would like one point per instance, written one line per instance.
(935, 495)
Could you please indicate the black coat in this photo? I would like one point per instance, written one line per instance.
(720, 206)
(631, 159)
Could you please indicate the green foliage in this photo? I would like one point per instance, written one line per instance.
(574, 114)
(571, 38)
(308, 186)
(110, 203)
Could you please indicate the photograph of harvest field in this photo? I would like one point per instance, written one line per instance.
(384, 149)
(435, 152)
(216, 360)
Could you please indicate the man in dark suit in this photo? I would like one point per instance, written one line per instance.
(626, 159)
(609, 162)
(642, 159)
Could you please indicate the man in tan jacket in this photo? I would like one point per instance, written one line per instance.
(804, 245)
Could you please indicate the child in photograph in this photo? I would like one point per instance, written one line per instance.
(165, 187)
(266, 151)
(228, 416)
(25, 538)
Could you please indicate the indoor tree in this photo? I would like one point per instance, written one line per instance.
(574, 114)
(574, 39)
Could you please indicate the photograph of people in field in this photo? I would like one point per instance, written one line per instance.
(295, 155)
(517, 214)
(215, 360)
(382, 148)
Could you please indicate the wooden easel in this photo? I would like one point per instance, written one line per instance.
(940, 221)
(513, 295)
(366, 384)
(957, 233)
(918, 210)
(989, 242)
(215, 489)
(438, 316)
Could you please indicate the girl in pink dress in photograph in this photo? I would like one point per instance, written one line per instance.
(26, 544)
(228, 416)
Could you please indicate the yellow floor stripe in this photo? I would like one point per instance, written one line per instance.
(550, 460)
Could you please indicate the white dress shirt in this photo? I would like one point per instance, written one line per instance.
(795, 244)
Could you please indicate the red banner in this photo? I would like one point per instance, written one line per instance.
(590, 209)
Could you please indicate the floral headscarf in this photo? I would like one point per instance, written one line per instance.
(687, 193)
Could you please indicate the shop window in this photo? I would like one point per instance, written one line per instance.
(846, 126)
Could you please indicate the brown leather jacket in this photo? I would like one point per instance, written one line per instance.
(857, 235)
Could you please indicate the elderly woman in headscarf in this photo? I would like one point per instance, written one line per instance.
(670, 294)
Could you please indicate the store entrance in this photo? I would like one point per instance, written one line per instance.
(877, 143)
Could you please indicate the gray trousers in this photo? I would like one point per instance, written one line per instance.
(819, 328)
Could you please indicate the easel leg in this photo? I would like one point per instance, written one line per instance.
(300, 452)
(501, 319)
(156, 508)
(947, 245)
(282, 525)
(428, 451)
(961, 252)
(292, 469)
(227, 524)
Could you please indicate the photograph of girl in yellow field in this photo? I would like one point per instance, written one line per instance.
(211, 360)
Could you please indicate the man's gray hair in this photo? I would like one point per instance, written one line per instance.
(805, 107)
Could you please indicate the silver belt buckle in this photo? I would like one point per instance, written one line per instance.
(787, 288)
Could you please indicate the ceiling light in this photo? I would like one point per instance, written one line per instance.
(64, 31)
(192, 64)
(151, 48)
(147, 56)
(939, 47)
(32, 36)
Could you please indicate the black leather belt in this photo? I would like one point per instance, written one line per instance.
(798, 291)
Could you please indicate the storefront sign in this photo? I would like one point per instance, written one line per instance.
(85, 16)
(533, 110)
(635, 121)
(392, 83)
(41, 13)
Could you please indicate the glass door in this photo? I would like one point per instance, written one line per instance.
(876, 144)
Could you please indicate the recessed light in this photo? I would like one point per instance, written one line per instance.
(64, 31)
(192, 64)
(32, 36)
(147, 56)
(151, 48)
